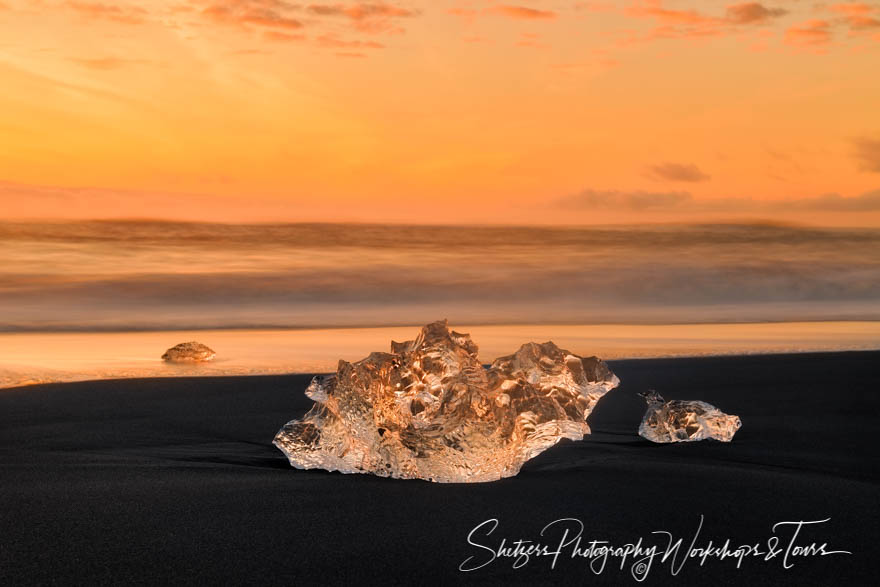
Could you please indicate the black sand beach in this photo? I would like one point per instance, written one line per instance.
(175, 481)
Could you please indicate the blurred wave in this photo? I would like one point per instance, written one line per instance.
(151, 275)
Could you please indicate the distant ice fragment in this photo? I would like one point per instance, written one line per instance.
(685, 421)
(429, 410)
(188, 352)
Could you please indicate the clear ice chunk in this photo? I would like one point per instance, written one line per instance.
(685, 421)
(429, 410)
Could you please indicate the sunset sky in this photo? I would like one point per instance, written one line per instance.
(544, 111)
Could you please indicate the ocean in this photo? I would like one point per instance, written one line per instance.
(123, 276)
(132, 278)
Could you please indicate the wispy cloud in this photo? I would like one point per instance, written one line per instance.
(694, 24)
(281, 21)
(853, 8)
(657, 10)
(858, 16)
(678, 172)
(867, 202)
(265, 13)
(366, 17)
(868, 153)
(680, 202)
(612, 199)
(335, 43)
(127, 14)
(815, 26)
(753, 13)
(522, 12)
(360, 11)
(812, 32)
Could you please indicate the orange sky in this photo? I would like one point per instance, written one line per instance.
(444, 111)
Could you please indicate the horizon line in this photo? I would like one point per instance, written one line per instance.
(768, 222)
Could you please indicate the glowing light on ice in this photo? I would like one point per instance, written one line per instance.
(430, 410)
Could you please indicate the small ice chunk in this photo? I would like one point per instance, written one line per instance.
(188, 352)
(685, 421)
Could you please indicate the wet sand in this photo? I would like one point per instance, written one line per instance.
(57, 357)
(175, 481)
